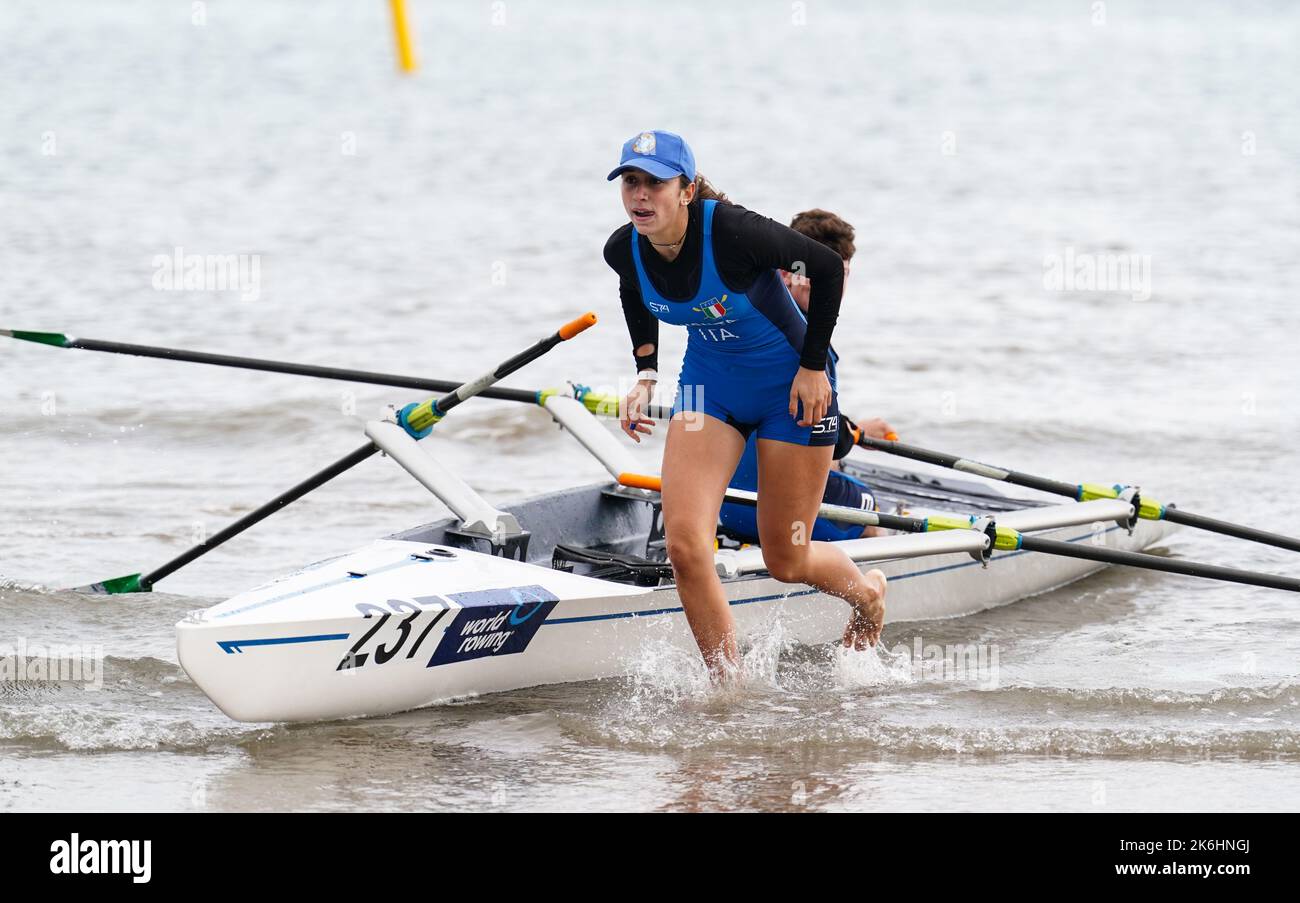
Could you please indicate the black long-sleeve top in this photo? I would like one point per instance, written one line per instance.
(745, 245)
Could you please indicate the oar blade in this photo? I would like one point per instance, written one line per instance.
(115, 586)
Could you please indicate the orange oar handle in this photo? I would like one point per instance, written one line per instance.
(640, 481)
(573, 327)
(890, 436)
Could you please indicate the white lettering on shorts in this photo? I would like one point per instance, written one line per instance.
(828, 424)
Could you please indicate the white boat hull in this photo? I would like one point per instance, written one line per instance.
(394, 626)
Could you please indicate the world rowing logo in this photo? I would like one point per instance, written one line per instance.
(645, 143)
(493, 622)
(714, 308)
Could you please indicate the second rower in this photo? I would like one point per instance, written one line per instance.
(841, 488)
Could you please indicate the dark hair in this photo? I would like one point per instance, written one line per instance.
(704, 190)
(827, 228)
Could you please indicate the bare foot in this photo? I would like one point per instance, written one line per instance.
(868, 616)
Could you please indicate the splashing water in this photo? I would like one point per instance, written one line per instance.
(874, 667)
(7, 583)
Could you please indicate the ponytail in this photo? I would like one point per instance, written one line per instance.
(704, 190)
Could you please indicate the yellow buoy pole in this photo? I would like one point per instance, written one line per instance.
(402, 31)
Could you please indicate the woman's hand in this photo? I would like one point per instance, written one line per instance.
(876, 428)
(631, 415)
(813, 388)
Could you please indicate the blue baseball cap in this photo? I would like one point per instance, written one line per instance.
(662, 154)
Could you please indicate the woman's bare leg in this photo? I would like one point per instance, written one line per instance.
(791, 480)
(700, 456)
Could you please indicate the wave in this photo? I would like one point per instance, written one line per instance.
(844, 734)
(846, 704)
(58, 726)
(146, 669)
(22, 586)
(113, 674)
(1129, 700)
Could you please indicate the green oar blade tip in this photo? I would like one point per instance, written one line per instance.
(57, 339)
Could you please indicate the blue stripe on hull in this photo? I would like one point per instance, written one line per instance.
(232, 646)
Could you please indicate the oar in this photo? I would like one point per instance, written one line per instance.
(1150, 562)
(838, 513)
(602, 404)
(1005, 539)
(1145, 508)
(417, 419)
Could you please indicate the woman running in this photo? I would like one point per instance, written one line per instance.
(753, 364)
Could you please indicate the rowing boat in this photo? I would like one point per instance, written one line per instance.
(573, 585)
(574, 588)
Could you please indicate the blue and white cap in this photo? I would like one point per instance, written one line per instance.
(662, 154)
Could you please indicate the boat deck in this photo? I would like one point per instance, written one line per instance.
(607, 517)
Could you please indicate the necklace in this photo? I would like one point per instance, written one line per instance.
(672, 244)
(668, 244)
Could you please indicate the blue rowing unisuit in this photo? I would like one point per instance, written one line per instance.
(742, 350)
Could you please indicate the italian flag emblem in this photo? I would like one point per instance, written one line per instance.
(714, 310)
